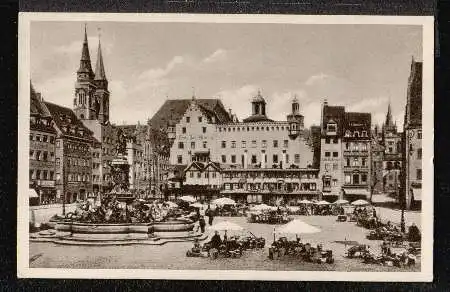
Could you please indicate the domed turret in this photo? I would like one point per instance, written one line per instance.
(258, 109)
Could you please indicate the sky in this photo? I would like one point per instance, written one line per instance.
(363, 67)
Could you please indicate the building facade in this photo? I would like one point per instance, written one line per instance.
(73, 155)
(257, 145)
(413, 139)
(345, 154)
(42, 150)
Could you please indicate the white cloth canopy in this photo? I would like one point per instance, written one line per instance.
(172, 204)
(189, 199)
(305, 202)
(322, 203)
(226, 225)
(197, 205)
(260, 207)
(297, 226)
(341, 202)
(360, 203)
(224, 201)
(32, 193)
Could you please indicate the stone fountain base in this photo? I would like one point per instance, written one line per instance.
(78, 233)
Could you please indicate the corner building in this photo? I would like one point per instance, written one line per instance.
(276, 152)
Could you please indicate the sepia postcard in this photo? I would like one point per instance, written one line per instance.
(245, 147)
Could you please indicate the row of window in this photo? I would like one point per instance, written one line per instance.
(206, 174)
(328, 154)
(78, 177)
(42, 138)
(263, 144)
(254, 159)
(356, 179)
(355, 134)
(42, 155)
(41, 174)
(246, 174)
(200, 119)
(184, 130)
(253, 128)
(354, 146)
(74, 146)
(271, 186)
(40, 121)
(356, 162)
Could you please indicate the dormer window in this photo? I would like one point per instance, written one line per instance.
(348, 134)
(364, 134)
(356, 134)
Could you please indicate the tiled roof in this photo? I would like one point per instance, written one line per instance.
(257, 118)
(414, 98)
(66, 118)
(174, 109)
(359, 121)
(335, 113)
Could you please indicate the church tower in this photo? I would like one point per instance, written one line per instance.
(295, 120)
(83, 103)
(102, 93)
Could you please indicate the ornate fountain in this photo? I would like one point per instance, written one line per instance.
(120, 217)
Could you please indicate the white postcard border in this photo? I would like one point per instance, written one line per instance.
(426, 274)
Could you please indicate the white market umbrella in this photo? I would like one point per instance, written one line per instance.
(322, 203)
(197, 205)
(305, 202)
(293, 208)
(224, 201)
(172, 205)
(226, 225)
(360, 203)
(260, 207)
(297, 226)
(189, 199)
(341, 202)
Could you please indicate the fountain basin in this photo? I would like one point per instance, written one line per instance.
(79, 227)
(174, 225)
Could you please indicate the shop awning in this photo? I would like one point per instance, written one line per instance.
(33, 193)
(417, 194)
(356, 191)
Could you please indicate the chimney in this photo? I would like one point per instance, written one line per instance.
(229, 112)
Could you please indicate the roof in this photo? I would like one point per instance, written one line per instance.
(99, 68)
(173, 110)
(334, 113)
(358, 121)
(413, 113)
(65, 117)
(85, 61)
(36, 105)
(258, 98)
(257, 118)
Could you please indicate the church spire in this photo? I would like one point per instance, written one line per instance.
(389, 121)
(99, 67)
(85, 70)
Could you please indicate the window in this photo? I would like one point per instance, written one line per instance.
(347, 179)
(31, 137)
(335, 140)
(204, 129)
(363, 178)
(347, 133)
(205, 144)
(286, 143)
(192, 145)
(327, 140)
(244, 144)
(38, 174)
(419, 153)
(200, 119)
(224, 159)
(275, 143)
(327, 154)
(188, 119)
(206, 175)
(287, 158)
(214, 175)
(264, 143)
(364, 134)
(275, 158)
(224, 144)
(254, 143)
(335, 154)
(38, 155)
(355, 161)
(419, 134)
(31, 154)
(390, 150)
(183, 130)
(297, 158)
(419, 173)
(347, 146)
(364, 146)
(180, 145)
(52, 139)
(356, 179)
(233, 158)
(356, 134)
(199, 175)
(38, 138)
(44, 138)
(334, 182)
(363, 162)
(180, 159)
(233, 144)
(253, 159)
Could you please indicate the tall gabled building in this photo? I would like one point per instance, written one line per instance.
(412, 180)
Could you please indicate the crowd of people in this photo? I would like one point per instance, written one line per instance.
(304, 251)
